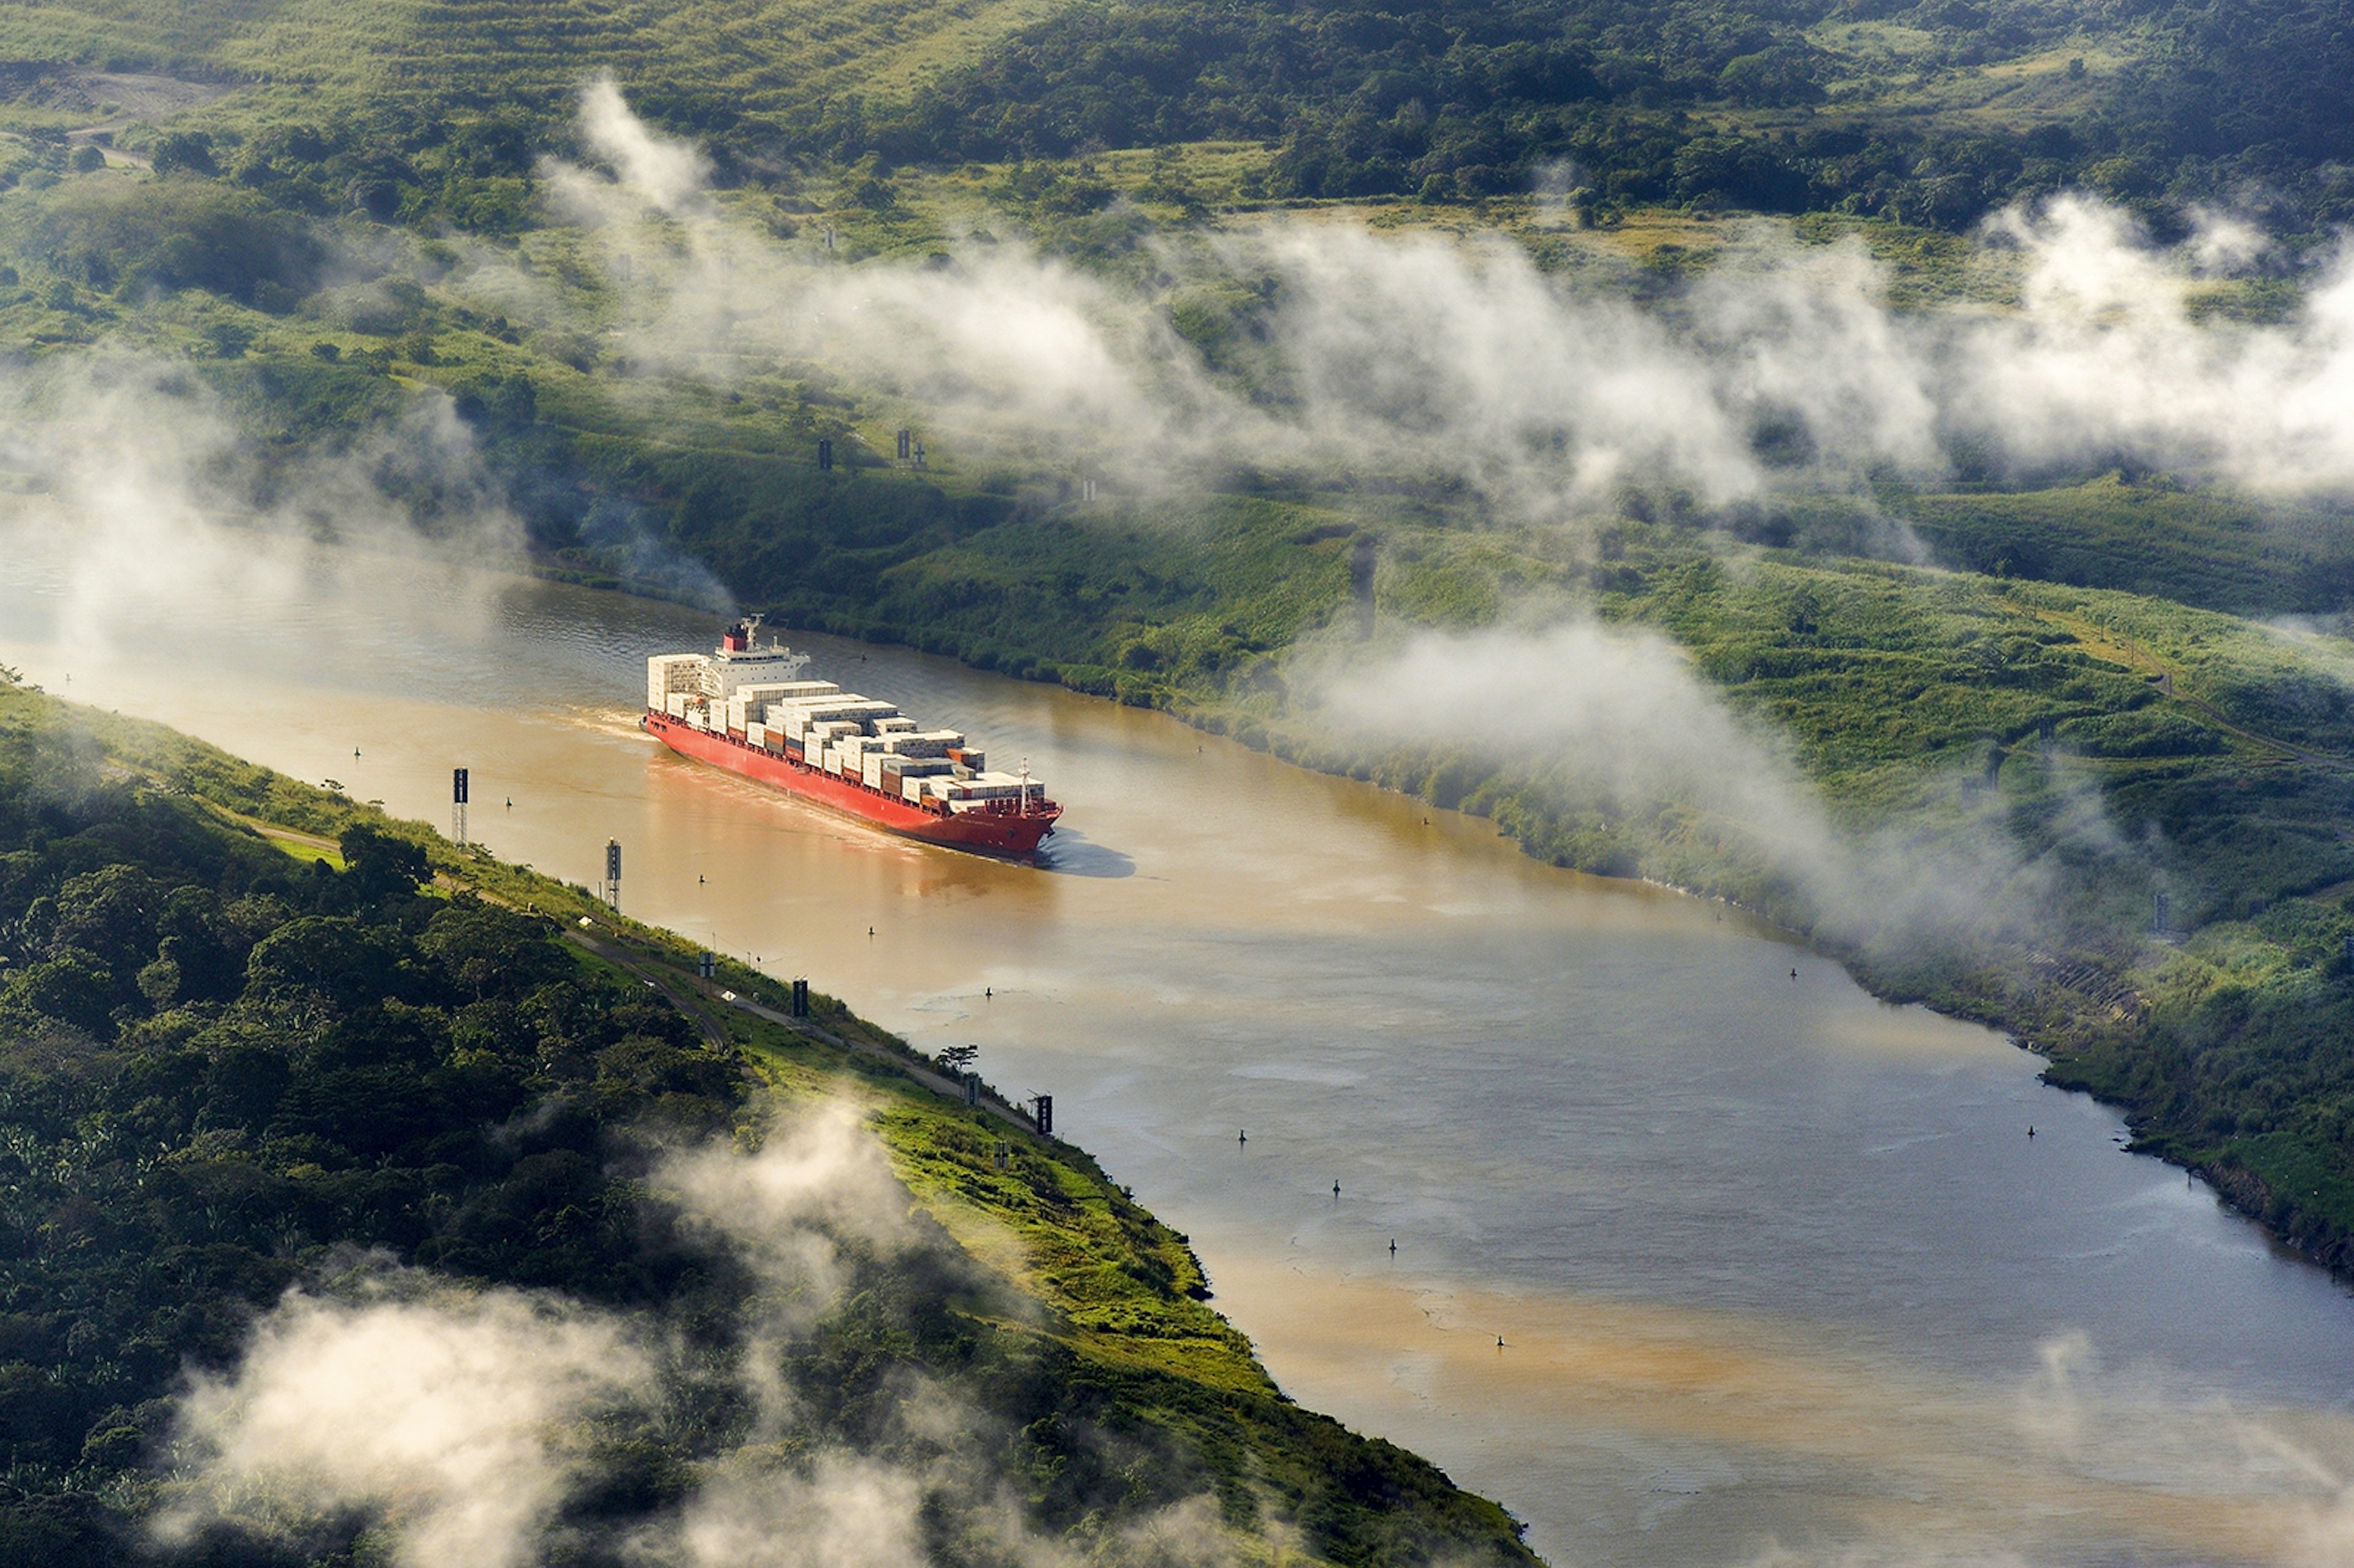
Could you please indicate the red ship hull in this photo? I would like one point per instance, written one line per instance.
(1009, 833)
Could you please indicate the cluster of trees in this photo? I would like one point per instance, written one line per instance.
(218, 1065)
(173, 235)
(1629, 103)
(1000, 577)
(226, 1072)
(430, 164)
(1468, 100)
(2240, 1077)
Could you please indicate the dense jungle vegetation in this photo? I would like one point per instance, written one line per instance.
(254, 1038)
(1931, 112)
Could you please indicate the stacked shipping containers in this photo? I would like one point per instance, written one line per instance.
(843, 732)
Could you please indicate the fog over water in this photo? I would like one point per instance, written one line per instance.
(1778, 1274)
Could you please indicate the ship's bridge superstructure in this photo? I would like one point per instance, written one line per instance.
(738, 662)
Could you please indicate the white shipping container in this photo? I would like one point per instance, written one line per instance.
(849, 706)
(871, 772)
(784, 691)
(755, 734)
(672, 672)
(914, 743)
(677, 705)
(998, 787)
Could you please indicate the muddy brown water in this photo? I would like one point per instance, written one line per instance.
(1695, 1263)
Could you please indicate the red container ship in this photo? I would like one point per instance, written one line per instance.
(743, 707)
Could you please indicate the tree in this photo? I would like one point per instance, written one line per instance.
(380, 866)
(189, 152)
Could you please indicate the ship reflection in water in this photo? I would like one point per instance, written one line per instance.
(1780, 1276)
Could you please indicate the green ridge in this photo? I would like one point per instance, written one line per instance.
(225, 1067)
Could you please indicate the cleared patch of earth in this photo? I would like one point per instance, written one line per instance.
(102, 95)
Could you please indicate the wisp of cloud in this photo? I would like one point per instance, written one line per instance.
(1425, 355)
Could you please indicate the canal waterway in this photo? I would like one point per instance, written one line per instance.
(1696, 1261)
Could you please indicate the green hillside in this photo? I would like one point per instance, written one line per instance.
(332, 230)
(255, 1040)
(1932, 113)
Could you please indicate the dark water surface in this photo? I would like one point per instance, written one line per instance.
(1779, 1273)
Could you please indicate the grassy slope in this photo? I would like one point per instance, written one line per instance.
(2203, 547)
(1119, 1321)
(1929, 112)
(1918, 683)
(1194, 610)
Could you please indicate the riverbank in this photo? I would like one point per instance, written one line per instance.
(2061, 760)
(1541, 1085)
(1115, 1325)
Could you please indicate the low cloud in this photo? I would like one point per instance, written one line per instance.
(1421, 356)
(462, 1425)
(2104, 360)
(448, 1414)
(844, 1511)
(1615, 719)
(818, 1180)
(168, 505)
(1623, 703)
(672, 175)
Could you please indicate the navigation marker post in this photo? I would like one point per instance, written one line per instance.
(457, 804)
(613, 874)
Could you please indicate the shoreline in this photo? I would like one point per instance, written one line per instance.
(2241, 1190)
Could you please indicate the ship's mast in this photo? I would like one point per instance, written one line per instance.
(1025, 810)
